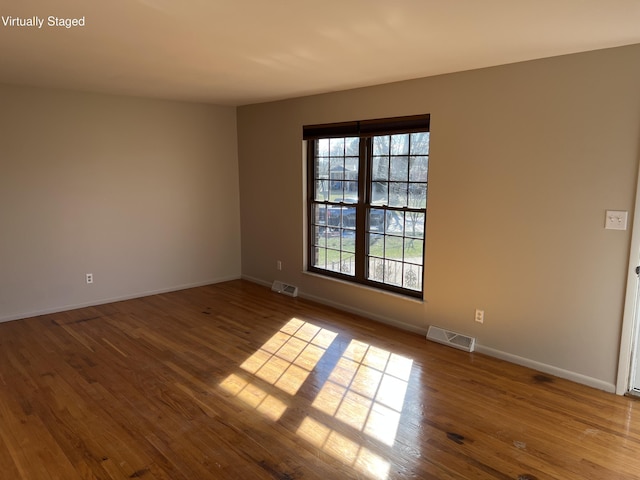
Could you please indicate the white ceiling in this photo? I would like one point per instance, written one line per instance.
(246, 51)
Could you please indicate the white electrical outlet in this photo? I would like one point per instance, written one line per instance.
(279, 265)
(480, 316)
(89, 277)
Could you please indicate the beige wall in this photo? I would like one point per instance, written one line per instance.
(144, 194)
(525, 159)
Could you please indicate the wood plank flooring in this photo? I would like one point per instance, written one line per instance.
(232, 381)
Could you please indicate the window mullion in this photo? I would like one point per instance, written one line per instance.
(311, 253)
(361, 213)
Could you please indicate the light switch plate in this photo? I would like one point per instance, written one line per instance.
(616, 220)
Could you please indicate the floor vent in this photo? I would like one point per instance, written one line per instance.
(281, 287)
(453, 339)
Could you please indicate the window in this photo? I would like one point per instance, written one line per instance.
(367, 199)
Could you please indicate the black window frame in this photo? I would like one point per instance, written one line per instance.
(365, 131)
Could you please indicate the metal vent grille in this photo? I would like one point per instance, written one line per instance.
(285, 288)
(453, 339)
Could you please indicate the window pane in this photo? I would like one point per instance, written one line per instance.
(419, 169)
(349, 217)
(333, 260)
(394, 222)
(319, 257)
(376, 269)
(333, 243)
(351, 168)
(334, 216)
(347, 265)
(336, 147)
(376, 245)
(412, 278)
(380, 168)
(380, 193)
(322, 190)
(414, 224)
(349, 241)
(322, 147)
(337, 191)
(418, 195)
(413, 250)
(393, 272)
(400, 144)
(319, 236)
(319, 215)
(420, 143)
(336, 171)
(381, 145)
(398, 194)
(322, 167)
(393, 247)
(376, 220)
(399, 169)
(350, 192)
(352, 146)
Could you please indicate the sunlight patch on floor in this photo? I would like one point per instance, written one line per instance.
(255, 397)
(359, 403)
(344, 449)
(284, 361)
(365, 392)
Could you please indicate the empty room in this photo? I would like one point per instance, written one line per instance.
(342, 240)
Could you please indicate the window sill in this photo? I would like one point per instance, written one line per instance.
(366, 287)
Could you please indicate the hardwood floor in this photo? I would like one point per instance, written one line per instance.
(232, 381)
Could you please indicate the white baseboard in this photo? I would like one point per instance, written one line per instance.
(364, 313)
(256, 280)
(349, 309)
(533, 364)
(102, 301)
(542, 367)
(550, 369)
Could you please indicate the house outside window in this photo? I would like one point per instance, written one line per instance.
(367, 199)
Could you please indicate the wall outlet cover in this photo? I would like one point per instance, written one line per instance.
(616, 220)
